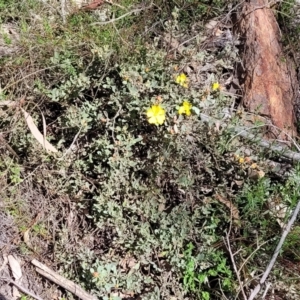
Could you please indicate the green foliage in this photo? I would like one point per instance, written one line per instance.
(195, 276)
(142, 171)
(287, 16)
(291, 245)
(11, 171)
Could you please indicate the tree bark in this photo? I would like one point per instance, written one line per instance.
(270, 81)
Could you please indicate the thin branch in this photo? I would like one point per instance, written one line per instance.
(277, 250)
(26, 76)
(73, 142)
(8, 147)
(266, 291)
(258, 247)
(5, 261)
(115, 4)
(275, 147)
(61, 281)
(114, 121)
(63, 10)
(227, 243)
(22, 289)
(123, 16)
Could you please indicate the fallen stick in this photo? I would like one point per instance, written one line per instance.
(61, 281)
(283, 150)
(276, 252)
(21, 288)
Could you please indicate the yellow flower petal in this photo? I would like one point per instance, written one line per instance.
(150, 113)
(181, 110)
(152, 120)
(185, 108)
(215, 86)
(182, 80)
(241, 160)
(187, 104)
(156, 115)
(160, 119)
(188, 112)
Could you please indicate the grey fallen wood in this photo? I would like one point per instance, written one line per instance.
(61, 281)
(276, 252)
(244, 132)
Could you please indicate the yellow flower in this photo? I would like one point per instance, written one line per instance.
(182, 80)
(216, 86)
(241, 160)
(156, 115)
(185, 108)
(254, 166)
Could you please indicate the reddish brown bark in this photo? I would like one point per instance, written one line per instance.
(93, 5)
(270, 80)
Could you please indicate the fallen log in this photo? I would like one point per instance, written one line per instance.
(270, 81)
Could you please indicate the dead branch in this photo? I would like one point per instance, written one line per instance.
(123, 16)
(21, 288)
(237, 273)
(244, 132)
(278, 248)
(61, 281)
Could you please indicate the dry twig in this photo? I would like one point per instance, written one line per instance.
(274, 257)
(243, 132)
(237, 273)
(123, 16)
(21, 288)
(61, 281)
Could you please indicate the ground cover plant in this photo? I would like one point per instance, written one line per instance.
(137, 197)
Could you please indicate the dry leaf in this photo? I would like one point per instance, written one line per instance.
(278, 210)
(217, 126)
(255, 174)
(176, 129)
(254, 166)
(161, 207)
(78, 3)
(128, 263)
(27, 239)
(128, 295)
(261, 174)
(15, 293)
(239, 182)
(234, 211)
(211, 24)
(93, 5)
(8, 103)
(218, 32)
(36, 133)
(15, 267)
